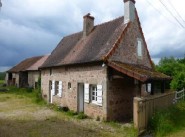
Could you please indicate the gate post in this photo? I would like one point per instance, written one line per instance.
(139, 114)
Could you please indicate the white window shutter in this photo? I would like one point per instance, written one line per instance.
(100, 95)
(60, 89)
(86, 93)
(53, 87)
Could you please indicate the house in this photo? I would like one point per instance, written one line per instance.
(101, 69)
(26, 73)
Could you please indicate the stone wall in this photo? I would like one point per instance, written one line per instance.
(120, 98)
(33, 77)
(127, 50)
(95, 74)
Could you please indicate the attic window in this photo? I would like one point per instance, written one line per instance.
(139, 48)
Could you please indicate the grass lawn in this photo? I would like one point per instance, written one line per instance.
(21, 116)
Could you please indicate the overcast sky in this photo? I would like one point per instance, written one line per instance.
(35, 27)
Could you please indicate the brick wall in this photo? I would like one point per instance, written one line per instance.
(127, 50)
(95, 74)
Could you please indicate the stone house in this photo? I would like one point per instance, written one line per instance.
(101, 69)
(26, 73)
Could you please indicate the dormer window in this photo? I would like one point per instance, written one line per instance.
(139, 48)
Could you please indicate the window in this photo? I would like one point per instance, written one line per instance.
(69, 85)
(148, 87)
(94, 93)
(56, 87)
(50, 71)
(139, 48)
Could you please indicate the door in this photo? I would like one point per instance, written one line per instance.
(80, 97)
(50, 91)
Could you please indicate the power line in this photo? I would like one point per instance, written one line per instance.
(171, 14)
(176, 11)
(160, 12)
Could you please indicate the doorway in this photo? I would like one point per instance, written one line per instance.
(50, 92)
(80, 97)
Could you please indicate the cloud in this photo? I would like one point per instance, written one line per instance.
(34, 27)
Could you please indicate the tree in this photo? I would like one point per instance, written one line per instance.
(174, 68)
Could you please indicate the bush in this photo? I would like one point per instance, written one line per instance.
(168, 120)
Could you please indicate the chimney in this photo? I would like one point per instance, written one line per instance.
(0, 4)
(88, 24)
(129, 11)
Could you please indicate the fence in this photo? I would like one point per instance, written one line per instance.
(145, 107)
(179, 95)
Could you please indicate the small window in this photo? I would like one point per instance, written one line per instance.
(69, 85)
(139, 48)
(50, 71)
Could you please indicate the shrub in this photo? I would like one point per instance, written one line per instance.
(81, 115)
(168, 120)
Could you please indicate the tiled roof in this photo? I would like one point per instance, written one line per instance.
(75, 49)
(25, 64)
(38, 63)
(138, 72)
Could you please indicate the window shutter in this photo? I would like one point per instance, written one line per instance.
(53, 87)
(60, 89)
(86, 93)
(99, 95)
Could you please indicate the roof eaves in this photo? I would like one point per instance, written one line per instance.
(127, 72)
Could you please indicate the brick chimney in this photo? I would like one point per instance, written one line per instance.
(88, 24)
(129, 10)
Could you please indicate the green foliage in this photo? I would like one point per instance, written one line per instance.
(169, 120)
(174, 68)
(81, 115)
(2, 75)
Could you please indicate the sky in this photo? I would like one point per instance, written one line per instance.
(34, 27)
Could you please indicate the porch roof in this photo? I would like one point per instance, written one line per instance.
(140, 73)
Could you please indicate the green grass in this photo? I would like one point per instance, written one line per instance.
(2, 81)
(168, 121)
(21, 115)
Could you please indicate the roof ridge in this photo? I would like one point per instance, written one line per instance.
(72, 34)
(103, 23)
(109, 21)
